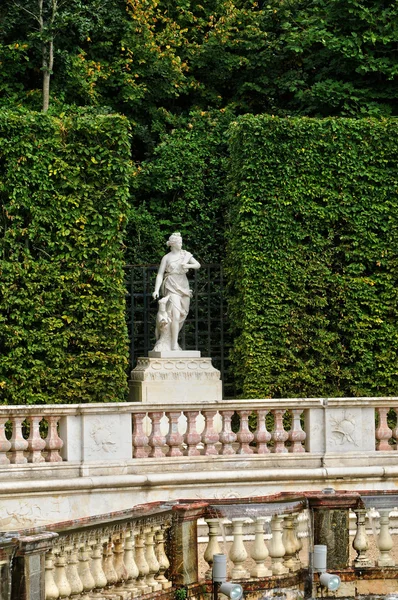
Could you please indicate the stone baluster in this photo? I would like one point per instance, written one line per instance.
(72, 571)
(129, 561)
(156, 439)
(97, 570)
(299, 542)
(289, 540)
(279, 435)
(118, 558)
(360, 543)
(35, 442)
(384, 540)
(51, 589)
(152, 560)
(192, 437)
(60, 576)
(53, 441)
(296, 433)
(259, 551)
(108, 563)
(383, 432)
(213, 547)
(244, 436)
(140, 439)
(18, 442)
(276, 547)
(395, 430)
(262, 436)
(174, 438)
(237, 553)
(161, 555)
(209, 436)
(227, 436)
(84, 569)
(143, 567)
(5, 444)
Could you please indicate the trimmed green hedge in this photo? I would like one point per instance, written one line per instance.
(313, 256)
(63, 198)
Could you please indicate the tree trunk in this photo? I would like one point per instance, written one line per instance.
(48, 61)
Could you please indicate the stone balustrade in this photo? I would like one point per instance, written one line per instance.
(94, 432)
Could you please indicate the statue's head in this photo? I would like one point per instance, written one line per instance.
(175, 239)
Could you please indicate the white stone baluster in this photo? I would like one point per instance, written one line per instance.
(53, 441)
(296, 433)
(276, 547)
(51, 589)
(259, 551)
(237, 553)
(72, 571)
(35, 442)
(383, 432)
(5, 444)
(244, 435)
(289, 541)
(161, 555)
(129, 561)
(152, 560)
(174, 438)
(227, 436)
(118, 558)
(143, 567)
(140, 439)
(108, 563)
(298, 540)
(18, 443)
(395, 430)
(96, 567)
(209, 435)
(360, 543)
(262, 436)
(384, 540)
(213, 547)
(60, 576)
(279, 435)
(156, 440)
(192, 437)
(84, 569)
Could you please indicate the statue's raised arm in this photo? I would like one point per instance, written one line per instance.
(172, 288)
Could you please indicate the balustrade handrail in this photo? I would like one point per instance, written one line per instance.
(133, 407)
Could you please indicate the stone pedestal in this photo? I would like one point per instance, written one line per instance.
(177, 379)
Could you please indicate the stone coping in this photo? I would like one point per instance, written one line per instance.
(126, 407)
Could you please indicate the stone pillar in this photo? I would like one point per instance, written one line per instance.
(28, 571)
(331, 525)
(184, 543)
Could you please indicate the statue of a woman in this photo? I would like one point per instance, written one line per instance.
(172, 283)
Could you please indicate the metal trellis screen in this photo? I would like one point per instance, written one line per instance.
(204, 328)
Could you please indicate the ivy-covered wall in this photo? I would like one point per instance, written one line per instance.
(313, 256)
(63, 199)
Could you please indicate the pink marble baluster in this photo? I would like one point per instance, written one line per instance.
(156, 440)
(227, 436)
(140, 439)
(209, 435)
(395, 430)
(174, 438)
(262, 436)
(35, 442)
(18, 443)
(5, 444)
(383, 432)
(279, 435)
(296, 434)
(53, 441)
(245, 436)
(192, 437)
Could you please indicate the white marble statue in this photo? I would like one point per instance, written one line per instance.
(172, 284)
